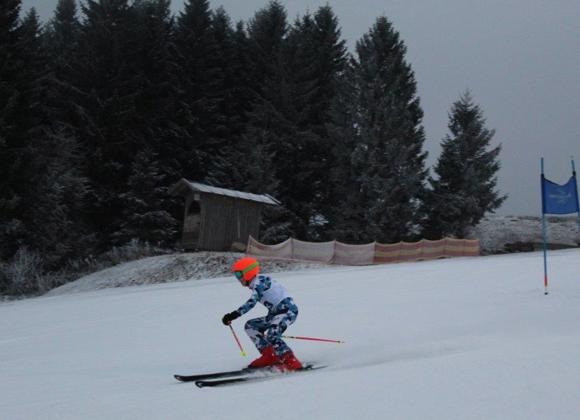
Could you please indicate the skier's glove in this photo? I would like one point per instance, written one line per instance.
(230, 317)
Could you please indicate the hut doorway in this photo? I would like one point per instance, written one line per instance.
(192, 225)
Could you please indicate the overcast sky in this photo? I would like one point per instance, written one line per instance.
(519, 58)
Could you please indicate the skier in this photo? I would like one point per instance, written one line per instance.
(266, 332)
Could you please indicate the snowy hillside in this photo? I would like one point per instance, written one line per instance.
(467, 338)
(170, 268)
(495, 232)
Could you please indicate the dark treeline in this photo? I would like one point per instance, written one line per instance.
(110, 102)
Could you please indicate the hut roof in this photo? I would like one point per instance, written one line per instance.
(184, 186)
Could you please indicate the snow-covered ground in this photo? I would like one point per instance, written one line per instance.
(466, 338)
(171, 268)
(495, 232)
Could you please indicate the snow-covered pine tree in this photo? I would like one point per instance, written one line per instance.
(465, 188)
(153, 68)
(243, 86)
(59, 207)
(61, 40)
(124, 101)
(43, 211)
(244, 148)
(157, 133)
(227, 117)
(389, 160)
(106, 88)
(200, 93)
(13, 138)
(297, 157)
(61, 35)
(346, 211)
(233, 96)
(266, 149)
(145, 216)
(295, 71)
(316, 57)
(267, 31)
(330, 60)
(23, 123)
(59, 188)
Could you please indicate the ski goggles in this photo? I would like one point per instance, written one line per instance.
(240, 274)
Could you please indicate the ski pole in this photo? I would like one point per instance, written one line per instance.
(326, 340)
(237, 341)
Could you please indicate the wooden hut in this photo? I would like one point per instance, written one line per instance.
(216, 218)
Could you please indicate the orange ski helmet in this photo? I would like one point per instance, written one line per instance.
(245, 269)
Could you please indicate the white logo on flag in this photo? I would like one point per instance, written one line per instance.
(561, 196)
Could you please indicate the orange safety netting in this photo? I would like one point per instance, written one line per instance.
(335, 252)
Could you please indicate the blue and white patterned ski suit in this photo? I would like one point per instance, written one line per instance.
(282, 312)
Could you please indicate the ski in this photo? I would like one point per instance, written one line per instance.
(257, 375)
(228, 381)
(214, 375)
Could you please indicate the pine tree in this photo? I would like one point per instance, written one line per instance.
(223, 36)
(152, 67)
(117, 100)
(345, 215)
(267, 32)
(318, 59)
(388, 161)
(329, 55)
(252, 156)
(233, 97)
(12, 132)
(465, 188)
(200, 84)
(21, 123)
(61, 187)
(271, 136)
(61, 40)
(57, 222)
(58, 188)
(62, 34)
(145, 211)
(103, 107)
(295, 72)
(243, 86)
(51, 188)
(157, 101)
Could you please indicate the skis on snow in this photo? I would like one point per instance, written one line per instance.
(193, 378)
(239, 376)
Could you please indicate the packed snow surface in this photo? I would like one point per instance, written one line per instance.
(466, 338)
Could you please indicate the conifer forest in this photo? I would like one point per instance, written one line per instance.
(110, 102)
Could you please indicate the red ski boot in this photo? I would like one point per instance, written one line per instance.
(289, 362)
(268, 358)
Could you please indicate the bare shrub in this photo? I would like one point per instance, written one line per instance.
(131, 251)
(24, 272)
(4, 280)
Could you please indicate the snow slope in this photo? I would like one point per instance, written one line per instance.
(170, 268)
(467, 338)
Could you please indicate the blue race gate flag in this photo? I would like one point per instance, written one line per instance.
(559, 199)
